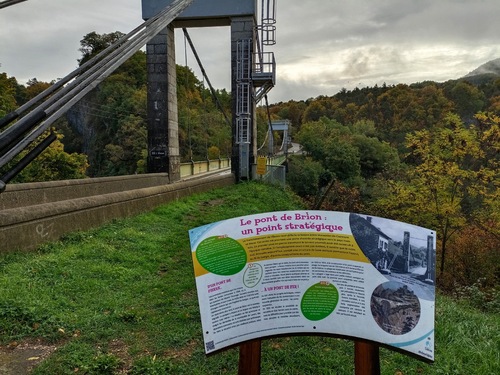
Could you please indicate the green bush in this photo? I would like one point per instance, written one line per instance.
(479, 296)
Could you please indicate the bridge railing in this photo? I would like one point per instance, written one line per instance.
(193, 168)
(275, 174)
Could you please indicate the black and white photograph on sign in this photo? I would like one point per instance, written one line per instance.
(401, 252)
(395, 308)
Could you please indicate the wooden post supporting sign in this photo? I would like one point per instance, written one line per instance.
(249, 362)
(366, 358)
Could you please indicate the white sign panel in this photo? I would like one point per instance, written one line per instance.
(317, 272)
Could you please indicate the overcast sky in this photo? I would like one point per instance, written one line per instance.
(322, 45)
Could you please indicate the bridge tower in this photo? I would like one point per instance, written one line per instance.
(252, 76)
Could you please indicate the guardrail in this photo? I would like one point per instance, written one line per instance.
(276, 160)
(275, 175)
(194, 168)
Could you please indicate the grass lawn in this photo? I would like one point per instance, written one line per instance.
(122, 299)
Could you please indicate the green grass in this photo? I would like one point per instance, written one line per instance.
(123, 298)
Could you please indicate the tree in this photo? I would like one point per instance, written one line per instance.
(293, 111)
(474, 256)
(342, 159)
(313, 136)
(341, 197)
(93, 43)
(399, 112)
(450, 172)
(329, 144)
(468, 99)
(374, 156)
(348, 152)
(495, 104)
(304, 175)
(127, 148)
(201, 122)
(213, 152)
(315, 111)
(54, 164)
(35, 87)
(7, 94)
(488, 132)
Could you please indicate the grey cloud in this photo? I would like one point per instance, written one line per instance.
(321, 45)
(397, 11)
(365, 63)
(440, 21)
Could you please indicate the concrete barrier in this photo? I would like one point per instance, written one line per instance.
(34, 193)
(46, 211)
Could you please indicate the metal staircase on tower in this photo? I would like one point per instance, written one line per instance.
(264, 69)
(256, 72)
(255, 76)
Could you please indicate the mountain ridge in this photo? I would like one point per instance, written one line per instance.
(490, 67)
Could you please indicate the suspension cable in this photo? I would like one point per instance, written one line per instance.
(188, 117)
(212, 90)
(6, 3)
(59, 103)
(265, 140)
(84, 70)
(269, 119)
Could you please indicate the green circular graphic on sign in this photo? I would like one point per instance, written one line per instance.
(319, 301)
(221, 255)
(253, 275)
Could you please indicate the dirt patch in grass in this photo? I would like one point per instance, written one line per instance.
(213, 202)
(119, 349)
(182, 353)
(21, 358)
(205, 206)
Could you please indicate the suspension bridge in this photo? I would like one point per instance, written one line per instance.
(38, 212)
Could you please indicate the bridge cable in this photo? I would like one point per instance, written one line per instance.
(7, 3)
(265, 139)
(82, 71)
(79, 88)
(203, 99)
(269, 119)
(212, 90)
(91, 78)
(188, 113)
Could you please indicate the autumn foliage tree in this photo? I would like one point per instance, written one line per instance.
(110, 123)
(7, 94)
(339, 161)
(54, 164)
(93, 43)
(474, 257)
(450, 185)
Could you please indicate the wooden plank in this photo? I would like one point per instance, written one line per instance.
(249, 362)
(366, 358)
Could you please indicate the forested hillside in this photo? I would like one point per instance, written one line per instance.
(425, 153)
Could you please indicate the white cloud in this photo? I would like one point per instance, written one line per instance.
(321, 47)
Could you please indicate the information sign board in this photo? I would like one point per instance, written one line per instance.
(261, 165)
(317, 272)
